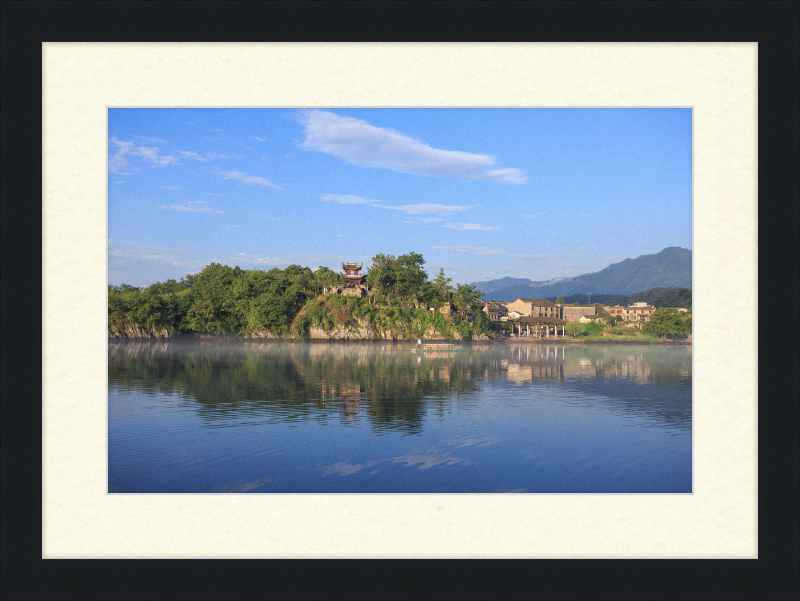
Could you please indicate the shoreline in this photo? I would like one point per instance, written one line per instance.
(511, 341)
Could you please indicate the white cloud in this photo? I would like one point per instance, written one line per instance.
(347, 199)
(473, 250)
(584, 215)
(259, 139)
(119, 160)
(216, 155)
(471, 226)
(248, 179)
(196, 206)
(365, 145)
(206, 156)
(141, 261)
(532, 216)
(485, 250)
(171, 187)
(152, 140)
(425, 208)
(118, 182)
(424, 220)
(193, 155)
(422, 208)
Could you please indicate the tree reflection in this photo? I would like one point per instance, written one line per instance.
(385, 387)
(382, 383)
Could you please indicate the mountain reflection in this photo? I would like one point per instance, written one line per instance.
(383, 386)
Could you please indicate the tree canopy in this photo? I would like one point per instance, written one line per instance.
(222, 300)
(666, 323)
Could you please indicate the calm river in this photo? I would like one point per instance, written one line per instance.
(371, 417)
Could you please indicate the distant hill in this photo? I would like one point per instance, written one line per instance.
(670, 268)
(658, 297)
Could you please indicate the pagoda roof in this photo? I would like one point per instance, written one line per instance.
(351, 265)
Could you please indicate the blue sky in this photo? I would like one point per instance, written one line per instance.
(483, 193)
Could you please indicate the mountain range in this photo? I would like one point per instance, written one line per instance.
(672, 267)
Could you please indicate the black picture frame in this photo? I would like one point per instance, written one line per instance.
(26, 25)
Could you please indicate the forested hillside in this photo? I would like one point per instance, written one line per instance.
(288, 303)
(658, 297)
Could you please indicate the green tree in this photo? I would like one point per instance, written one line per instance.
(666, 323)
(576, 304)
(444, 291)
(409, 277)
(325, 277)
(381, 275)
(560, 300)
(465, 298)
(573, 328)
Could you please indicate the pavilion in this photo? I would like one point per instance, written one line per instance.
(529, 322)
(353, 281)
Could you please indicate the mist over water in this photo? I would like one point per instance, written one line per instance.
(283, 417)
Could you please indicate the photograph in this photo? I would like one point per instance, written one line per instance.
(400, 300)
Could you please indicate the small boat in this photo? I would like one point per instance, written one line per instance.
(435, 347)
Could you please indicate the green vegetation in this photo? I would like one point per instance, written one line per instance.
(288, 303)
(658, 297)
(667, 323)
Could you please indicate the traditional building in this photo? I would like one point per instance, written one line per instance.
(536, 326)
(573, 313)
(637, 313)
(495, 311)
(534, 307)
(352, 280)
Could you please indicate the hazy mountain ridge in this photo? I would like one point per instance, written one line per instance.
(672, 267)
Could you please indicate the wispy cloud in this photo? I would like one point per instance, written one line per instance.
(206, 156)
(584, 215)
(365, 145)
(118, 162)
(532, 215)
(485, 250)
(188, 154)
(425, 208)
(422, 208)
(248, 179)
(152, 140)
(424, 220)
(471, 226)
(347, 199)
(259, 139)
(196, 206)
(133, 258)
(474, 250)
(171, 187)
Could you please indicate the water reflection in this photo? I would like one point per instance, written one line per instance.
(374, 417)
(386, 387)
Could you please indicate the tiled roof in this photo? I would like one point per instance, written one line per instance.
(543, 320)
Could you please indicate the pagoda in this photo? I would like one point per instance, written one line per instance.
(353, 285)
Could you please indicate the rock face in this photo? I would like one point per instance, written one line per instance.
(133, 331)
